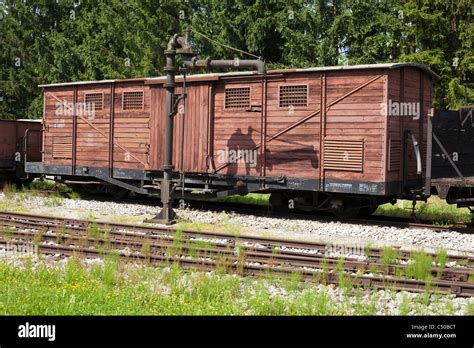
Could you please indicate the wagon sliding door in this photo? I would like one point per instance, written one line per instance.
(409, 89)
(196, 128)
(293, 128)
(237, 127)
(59, 125)
(131, 131)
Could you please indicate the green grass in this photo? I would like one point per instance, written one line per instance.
(16, 197)
(441, 261)
(113, 288)
(250, 198)
(222, 224)
(389, 256)
(435, 210)
(420, 266)
(54, 200)
(49, 185)
(124, 219)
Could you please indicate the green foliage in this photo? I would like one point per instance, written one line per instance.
(435, 210)
(420, 266)
(54, 200)
(58, 41)
(113, 288)
(389, 256)
(441, 260)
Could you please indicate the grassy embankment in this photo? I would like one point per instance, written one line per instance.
(117, 289)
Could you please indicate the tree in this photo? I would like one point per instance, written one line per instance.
(66, 40)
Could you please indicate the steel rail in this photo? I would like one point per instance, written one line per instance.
(463, 289)
(154, 232)
(163, 246)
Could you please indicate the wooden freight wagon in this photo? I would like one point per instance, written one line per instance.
(20, 140)
(332, 138)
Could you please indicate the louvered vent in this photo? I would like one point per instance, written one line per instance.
(132, 100)
(345, 155)
(62, 147)
(293, 95)
(237, 98)
(395, 155)
(96, 99)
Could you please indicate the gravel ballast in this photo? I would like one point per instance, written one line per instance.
(335, 232)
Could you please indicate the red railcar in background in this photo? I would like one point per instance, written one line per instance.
(20, 141)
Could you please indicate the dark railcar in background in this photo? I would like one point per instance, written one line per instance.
(453, 156)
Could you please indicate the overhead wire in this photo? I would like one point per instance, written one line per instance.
(224, 45)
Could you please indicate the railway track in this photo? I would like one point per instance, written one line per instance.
(267, 211)
(248, 255)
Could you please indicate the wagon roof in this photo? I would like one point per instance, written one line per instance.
(217, 76)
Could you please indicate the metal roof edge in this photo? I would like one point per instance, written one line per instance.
(92, 82)
(216, 76)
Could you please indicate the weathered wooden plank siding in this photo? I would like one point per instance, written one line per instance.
(297, 151)
(92, 141)
(196, 126)
(352, 138)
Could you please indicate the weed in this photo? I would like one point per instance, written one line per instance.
(324, 271)
(344, 282)
(398, 273)
(90, 216)
(146, 249)
(368, 250)
(249, 199)
(389, 257)
(111, 268)
(54, 200)
(450, 308)
(469, 309)
(93, 230)
(37, 238)
(295, 281)
(405, 306)
(441, 260)
(419, 266)
(8, 232)
(49, 185)
(60, 233)
(436, 210)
